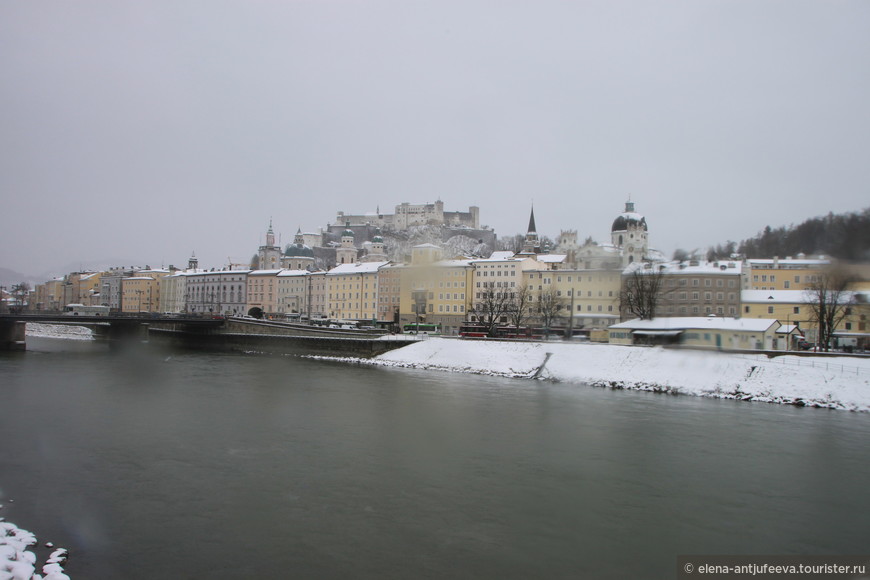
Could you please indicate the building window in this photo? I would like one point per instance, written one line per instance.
(770, 309)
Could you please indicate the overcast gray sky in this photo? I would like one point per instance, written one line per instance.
(140, 131)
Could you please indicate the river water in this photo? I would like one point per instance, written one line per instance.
(154, 464)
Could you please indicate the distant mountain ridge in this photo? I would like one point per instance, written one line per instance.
(9, 277)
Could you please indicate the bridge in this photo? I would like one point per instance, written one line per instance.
(211, 333)
(112, 327)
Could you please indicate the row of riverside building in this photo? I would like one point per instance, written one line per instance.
(584, 281)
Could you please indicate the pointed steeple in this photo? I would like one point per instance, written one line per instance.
(270, 235)
(531, 245)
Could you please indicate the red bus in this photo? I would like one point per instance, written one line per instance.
(473, 331)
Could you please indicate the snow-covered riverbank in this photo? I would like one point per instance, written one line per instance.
(18, 562)
(59, 331)
(836, 383)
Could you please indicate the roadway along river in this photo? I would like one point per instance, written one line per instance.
(153, 464)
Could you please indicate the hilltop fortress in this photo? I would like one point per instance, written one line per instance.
(407, 215)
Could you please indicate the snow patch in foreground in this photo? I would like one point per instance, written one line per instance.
(840, 383)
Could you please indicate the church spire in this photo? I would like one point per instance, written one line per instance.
(270, 235)
(531, 245)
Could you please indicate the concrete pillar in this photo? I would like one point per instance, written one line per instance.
(12, 335)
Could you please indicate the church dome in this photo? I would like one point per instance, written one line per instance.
(629, 218)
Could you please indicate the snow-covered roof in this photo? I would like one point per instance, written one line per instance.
(293, 273)
(452, 263)
(774, 296)
(727, 267)
(218, 272)
(501, 256)
(788, 329)
(783, 262)
(551, 258)
(358, 268)
(264, 272)
(699, 322)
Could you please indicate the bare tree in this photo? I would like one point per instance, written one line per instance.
(20, 293)
(829, 300)
(641, 291)
(519, 306)
(512, 243)
(550, 308)
(492, 306)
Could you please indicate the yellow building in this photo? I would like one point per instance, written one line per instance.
(48, 296)
(293, 293)
(590, 297)
(792, 307)
(89, 288)
(502, 272)
(317, 300)
(262, 293)
(782, 274)
(140, 294)
(436, 292)
(352, 291)
(389, 293)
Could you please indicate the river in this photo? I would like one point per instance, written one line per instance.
(148, 464)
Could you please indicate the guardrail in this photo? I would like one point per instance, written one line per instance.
(803, 361)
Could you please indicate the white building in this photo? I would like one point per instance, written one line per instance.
(701, 332)
(218, 292)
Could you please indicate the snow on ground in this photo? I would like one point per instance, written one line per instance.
(58, 331)
(836, 383)
(17, 562)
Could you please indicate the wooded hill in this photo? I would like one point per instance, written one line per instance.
(843, 236)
